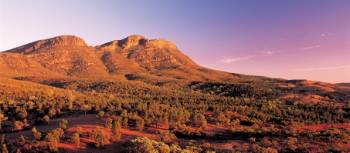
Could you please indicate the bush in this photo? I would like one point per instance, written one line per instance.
(36, 133)
(167, 137)
(53, 138)
(100, 139)
(76, 139)
(63, 124)
(145, 145)
(116, 130)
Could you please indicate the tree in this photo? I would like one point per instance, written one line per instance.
(145, 145)
(140, 124)
(46, 119)
(291, 143)
(21, 114)
(116, 131)
(2, 118)
(76, 139)
(79, 129)
(18, 125)
(200, 121)
(163, 148)
(348, 104)
(222, 119)
(36, 133)
(70, 105)
(99, 138)
(85, 108)
(4, 148)
(52, 112)
(109, 123)
(63, 124)
(101, 114)
(53, 138)
(22, 139)
(125, 122)
(167, 136)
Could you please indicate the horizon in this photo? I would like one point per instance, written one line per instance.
(228, 36)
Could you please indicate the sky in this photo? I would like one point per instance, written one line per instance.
(291, 39)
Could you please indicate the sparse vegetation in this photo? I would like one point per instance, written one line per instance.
(181, 104)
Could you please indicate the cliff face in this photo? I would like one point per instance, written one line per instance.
(71, 56)
(149, 54)
(59, 41)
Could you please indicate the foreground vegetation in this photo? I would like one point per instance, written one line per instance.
(252, 115)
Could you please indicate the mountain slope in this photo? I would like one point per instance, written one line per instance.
(135, 55)
(66, 55)
(156, 62)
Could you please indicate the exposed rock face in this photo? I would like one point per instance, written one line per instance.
(136, 41)
(71, 56)
(19, 65)
(131, 41)
(60, 41)
(150, 54)
(66, 55)
(160, 43)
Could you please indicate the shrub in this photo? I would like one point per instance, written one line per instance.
(200, 121)
(4, 148)
(109, 123)
(53, 138)
(100, 139)
(63, 124)
(167, 137)
(46, 119)
(36, 133)
(76, 139)
(116, 131)
(18, 125)
(140, 124)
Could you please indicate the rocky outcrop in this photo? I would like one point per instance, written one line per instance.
(149, 53)
(60, 41)
(136, 41)
(132, 41)
(71, 56)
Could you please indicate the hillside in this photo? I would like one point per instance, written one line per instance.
(67, 61)
(71, 56)
(149, 88)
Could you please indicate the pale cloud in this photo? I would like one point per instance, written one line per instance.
(326, 34)
(250, 57)
(311, 47)
(236, 59)
(338, 67)
(268, 53)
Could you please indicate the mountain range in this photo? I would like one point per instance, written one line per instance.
(132, 94)
(71, 56)
(155, 62)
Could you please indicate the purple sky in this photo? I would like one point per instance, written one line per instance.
(293, 39)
